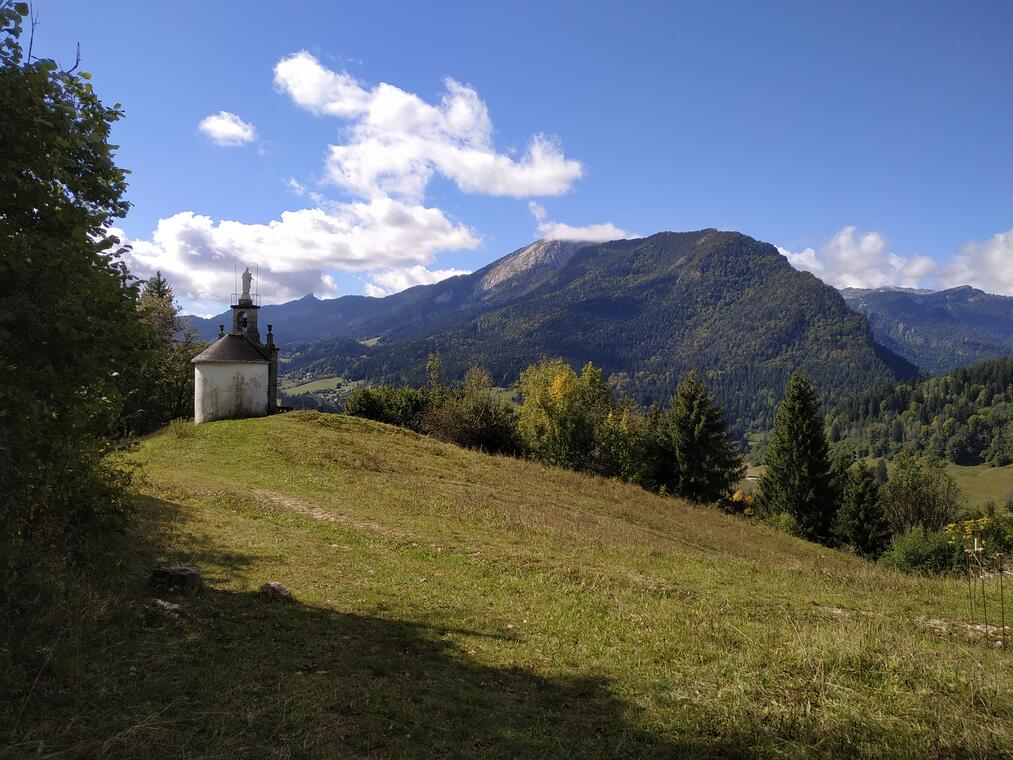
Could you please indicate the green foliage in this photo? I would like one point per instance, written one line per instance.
(783, 522)
(561, 413)
(473, 416)
(798, 479)
(698, 460)
(923, 552)
(861, 521)
(991, 525)
(159, 388)
(920, 494)
(965, 417)
(68, 321)
(395, 405)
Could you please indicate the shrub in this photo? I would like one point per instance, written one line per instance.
(784, 522)
(920, 494)
(402, 406)
(924, 552)
(473, 417)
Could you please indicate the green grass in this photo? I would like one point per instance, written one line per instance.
(453, 604)
(322, 384)
(982, 483)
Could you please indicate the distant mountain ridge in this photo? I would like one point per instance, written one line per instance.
(646, 310)
(938, 330)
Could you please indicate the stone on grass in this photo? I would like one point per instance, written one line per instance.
(275, 591)
(156, 610)
(186, 579)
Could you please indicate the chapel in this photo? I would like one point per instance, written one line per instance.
(237, 375)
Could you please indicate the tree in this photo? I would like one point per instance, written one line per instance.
(920, 494)
(158, 287)
(881, 472)
(705, 462)
(861, 522)
(159, 387)
(571, 420)
(798, 479)
(68, 323)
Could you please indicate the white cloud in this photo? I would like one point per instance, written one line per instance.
(862, 261)
(397, 141)
(987, 265)
(848, 260)
(393, 144)
(227, 129)
(592, 233)
(396, 280)
(294, 252)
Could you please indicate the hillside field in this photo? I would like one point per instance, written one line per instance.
(454, 604)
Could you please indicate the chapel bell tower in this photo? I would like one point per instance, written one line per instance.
(244, 312)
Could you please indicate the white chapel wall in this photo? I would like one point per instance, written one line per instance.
(226, 390)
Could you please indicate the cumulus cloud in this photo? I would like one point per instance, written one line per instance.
(227, 129)
(853, 260)
(593, 233)
(198, 255)
(393, 144)
(848, 260)
(396, 280)
(987, 265)
(397, 141)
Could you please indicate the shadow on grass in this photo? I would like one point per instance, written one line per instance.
(238, 675)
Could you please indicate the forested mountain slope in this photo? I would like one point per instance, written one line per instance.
(938, 331)
(647, 311)
(965, 416)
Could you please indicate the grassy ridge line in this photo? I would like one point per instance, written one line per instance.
(455, 604)
(696, 620)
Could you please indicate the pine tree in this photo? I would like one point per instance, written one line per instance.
(798, 479)
(706, 461)
(881, 472)
(861, 521)
(158, 287)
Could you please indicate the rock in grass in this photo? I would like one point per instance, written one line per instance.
(186, 579)
(275, 591)
(157, 610)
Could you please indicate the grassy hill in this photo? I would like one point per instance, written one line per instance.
(451, 603)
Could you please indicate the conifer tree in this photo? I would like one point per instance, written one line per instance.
(706, 462)
(861, 521)
(798, 480)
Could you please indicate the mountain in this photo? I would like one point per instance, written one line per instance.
(647, 311)
(965, 416)
(938, 331)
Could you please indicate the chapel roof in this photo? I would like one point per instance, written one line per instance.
(234, 347)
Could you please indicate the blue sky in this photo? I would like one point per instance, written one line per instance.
(377, 145)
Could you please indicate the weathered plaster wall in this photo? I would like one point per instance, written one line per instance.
(223, 390)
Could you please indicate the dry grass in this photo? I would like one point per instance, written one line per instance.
(456, 604)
